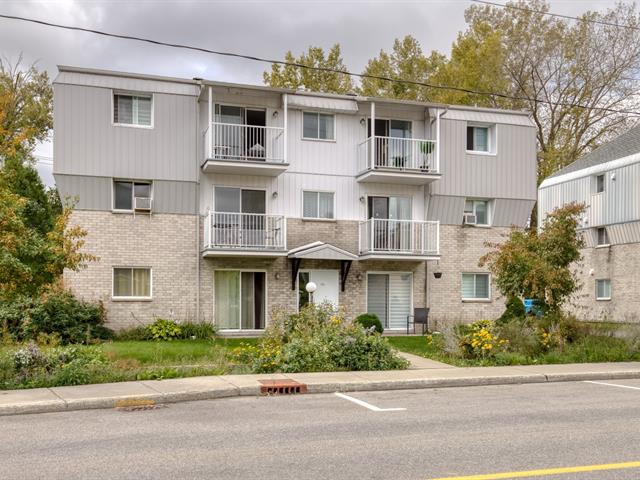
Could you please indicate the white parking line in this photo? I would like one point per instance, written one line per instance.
(367, 405)
(612, 385)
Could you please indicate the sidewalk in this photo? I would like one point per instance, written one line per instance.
(129, 394)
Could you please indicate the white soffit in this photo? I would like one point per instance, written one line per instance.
(338, 105)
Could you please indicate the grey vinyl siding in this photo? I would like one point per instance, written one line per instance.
(128, 83)
(96, 193)
(87, 143)
(505, 211)
(511, 173)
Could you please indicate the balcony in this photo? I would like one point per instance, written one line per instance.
(399, 240)
(244, 234)
(408, 161)
(244, 149)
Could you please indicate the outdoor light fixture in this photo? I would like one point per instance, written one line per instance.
(274, 194)
(361, 199)
(362, 121)
(437, 274)
(359, 277)
(310, 288)
(277, 275)
(275, 114)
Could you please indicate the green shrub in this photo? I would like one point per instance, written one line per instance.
(368, 320)
(521, 337)
(514, 309)
(163, 329)
(56, 312)
(318, 338)
(140, 332)
(198, 330)
(479, 339)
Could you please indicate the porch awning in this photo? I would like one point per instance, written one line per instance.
(321, 251)
(339, 105)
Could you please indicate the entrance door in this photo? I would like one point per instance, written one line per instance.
(389, 297)
(328, 287)
(239, 299)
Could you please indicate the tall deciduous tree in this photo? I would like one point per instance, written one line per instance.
(25, 108)
(289, 76)
(539, 265)
(406, 61)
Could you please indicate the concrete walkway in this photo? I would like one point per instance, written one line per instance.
(143, 393)
(421, 363)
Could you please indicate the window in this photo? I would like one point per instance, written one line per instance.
(599, 183)
(479, 139)
(239, 299)
(475, 286)
(132, 283)
(317, 205)
(318, 126)
(129, 195)
(603, 289)
(132, 109)
(603, 236)
(479, 208)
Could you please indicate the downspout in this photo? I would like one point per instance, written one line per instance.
(197, 205)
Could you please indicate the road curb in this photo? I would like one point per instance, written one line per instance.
(358, 384)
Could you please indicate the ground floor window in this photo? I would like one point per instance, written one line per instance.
(603, 289)
(131, 282)
(239, 299)
(389, 296)
(475, 286)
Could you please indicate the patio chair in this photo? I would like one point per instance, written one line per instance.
(421, 316)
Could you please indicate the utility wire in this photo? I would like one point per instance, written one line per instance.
(311, 67)
(559, 15)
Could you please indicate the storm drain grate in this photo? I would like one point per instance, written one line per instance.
(281, 387)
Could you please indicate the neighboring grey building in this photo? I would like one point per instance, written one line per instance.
(607, 182)
(221, 201)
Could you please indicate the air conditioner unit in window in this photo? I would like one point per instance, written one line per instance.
(469, 219)
(142, 204)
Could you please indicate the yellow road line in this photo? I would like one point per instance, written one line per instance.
(546, 471)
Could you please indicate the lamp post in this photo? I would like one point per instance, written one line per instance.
(310, 288)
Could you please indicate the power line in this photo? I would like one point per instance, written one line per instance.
(311, 67)
(559, 15)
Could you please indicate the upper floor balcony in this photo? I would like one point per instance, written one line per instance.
(399, 239)
(244, 149)
(244, 234)
(409, 161)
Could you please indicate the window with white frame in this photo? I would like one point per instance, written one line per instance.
(481, 138)
(475, 286)
(599, 183)
(131, 282)
(603, 289)
(132, 195)
(477, 210)
(602, 236)
(317, 205)
(318, 126)
(132, 109)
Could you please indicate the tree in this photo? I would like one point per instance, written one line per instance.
(25, 108)
(296, 78)
(538, 265)
(405, 62)
(29, 259)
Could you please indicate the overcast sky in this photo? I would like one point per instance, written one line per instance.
(261, 28)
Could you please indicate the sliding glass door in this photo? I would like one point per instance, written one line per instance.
(239, 299)
(391, 222)
(240, 217)
(240, 132)
(389, 296)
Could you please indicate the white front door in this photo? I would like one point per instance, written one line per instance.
(327, 282)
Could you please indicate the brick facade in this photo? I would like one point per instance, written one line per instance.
(620, 264)
(460, 249)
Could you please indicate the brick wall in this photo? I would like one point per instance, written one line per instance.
(620, 264)
(460, 249)
(164, 242)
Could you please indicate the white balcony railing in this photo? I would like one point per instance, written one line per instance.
(400, 154)
(399, 237)
(229, 141)
(249, 231)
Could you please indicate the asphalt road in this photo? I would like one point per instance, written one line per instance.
(441, 433)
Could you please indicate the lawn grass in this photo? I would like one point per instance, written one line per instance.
(175, 352)
(416, 345)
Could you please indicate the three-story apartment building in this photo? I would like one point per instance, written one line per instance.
(220, 201)
(607, 182)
